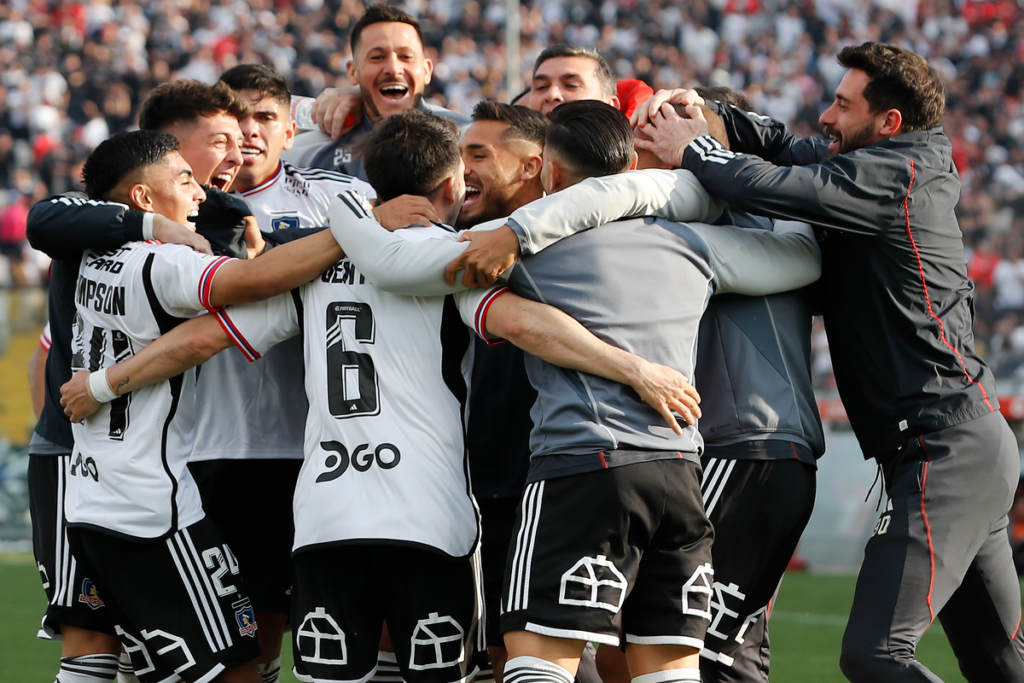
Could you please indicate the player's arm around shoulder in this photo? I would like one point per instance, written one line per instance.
(497, 315)
(758, 262)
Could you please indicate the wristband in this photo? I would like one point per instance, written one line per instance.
(99, 387)
(147, 226)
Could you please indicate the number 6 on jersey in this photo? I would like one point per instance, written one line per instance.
(351, 378)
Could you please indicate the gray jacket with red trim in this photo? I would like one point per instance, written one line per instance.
(897, 303)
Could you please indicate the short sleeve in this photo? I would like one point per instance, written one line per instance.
(183, 278)
(474, 304)
(256, 327)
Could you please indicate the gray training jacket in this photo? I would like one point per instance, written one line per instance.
(754, 365)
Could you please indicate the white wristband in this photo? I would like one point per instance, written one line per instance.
(147, 226)
(99, 387)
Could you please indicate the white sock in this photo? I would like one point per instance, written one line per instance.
(87, 669)
(670, 676)
(387, 668)
(125, 670)
(534, 670)
(271, 671)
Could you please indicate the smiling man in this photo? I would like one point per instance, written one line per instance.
(898, 310)
(392, 72)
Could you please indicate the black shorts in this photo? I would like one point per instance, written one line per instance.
(759, 509)
(178, 604)
(259, 527)
(72, 595)
(497, 522)
(343, 595)
(584, 542)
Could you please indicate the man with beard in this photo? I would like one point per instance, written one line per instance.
(898, 309)
(390, 68)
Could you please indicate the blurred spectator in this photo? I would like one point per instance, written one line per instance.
(74, 71)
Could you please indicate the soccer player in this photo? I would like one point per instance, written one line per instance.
(264, 404)
(390, 68)
(922, 403)
(562, 591)
(565, 73)
(379, 494)
(133, 512)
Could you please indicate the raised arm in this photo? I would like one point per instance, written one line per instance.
(63, 226)
(554, 336)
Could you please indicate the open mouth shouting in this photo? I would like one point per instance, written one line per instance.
(223, 179)
(473, 195)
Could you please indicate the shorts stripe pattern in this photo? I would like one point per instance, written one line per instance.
(63, 591)
(519, 589)
(200, 590)
(716, 476)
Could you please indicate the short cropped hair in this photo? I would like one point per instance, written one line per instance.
(591, 138)
(185, 100)
(382, 14)
(523, 123)
(123, 155)
(411, 152)
(726, 95)
(605, 75)
(901, 80)
(259, 78)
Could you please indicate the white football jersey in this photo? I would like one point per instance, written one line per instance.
(384, 453)
(246, 411)
(128, 471)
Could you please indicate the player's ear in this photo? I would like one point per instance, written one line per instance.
(557, 175)
(353, 73)
(140, 197)
(428, 66)
(531, 167)
(892, 123)
(291, 130)
(636, 160)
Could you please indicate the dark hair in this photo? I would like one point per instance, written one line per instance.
(605, 76)
(411, 152)
(185, 100)
(523, 123)
(260, 78)
(726, 96)
(591, 138)
(521, 95)
(382, 14)
(122, 155)
(900, 79)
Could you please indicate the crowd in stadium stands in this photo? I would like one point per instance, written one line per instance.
(72, 73)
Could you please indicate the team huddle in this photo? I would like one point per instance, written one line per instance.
(425, 392)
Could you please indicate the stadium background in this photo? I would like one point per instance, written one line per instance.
(73, 73)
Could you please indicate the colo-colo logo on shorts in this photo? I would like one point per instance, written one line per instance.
(386, 455)
(90, 595)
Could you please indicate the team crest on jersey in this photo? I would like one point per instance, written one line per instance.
(285, 222)
(245, 617)
(90, 595)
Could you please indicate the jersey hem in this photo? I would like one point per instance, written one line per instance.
(383, 541)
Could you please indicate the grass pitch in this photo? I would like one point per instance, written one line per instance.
(806, 630)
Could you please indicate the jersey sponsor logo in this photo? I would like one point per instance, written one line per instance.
(285, 222)
(594, 582)
(697, 592)
(296, 186)
(90, 595)
(387, 456)
(101, 297)
(106, 264)
(320, 640)
(437, 642)
(245, 617)
(85, 467)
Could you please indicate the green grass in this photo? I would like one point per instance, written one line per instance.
(806, 630)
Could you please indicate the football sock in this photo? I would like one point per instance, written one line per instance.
(534, 670)
(125, 670)
(271, 671)
(670, 676)
(387, 668)
(88, 669)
